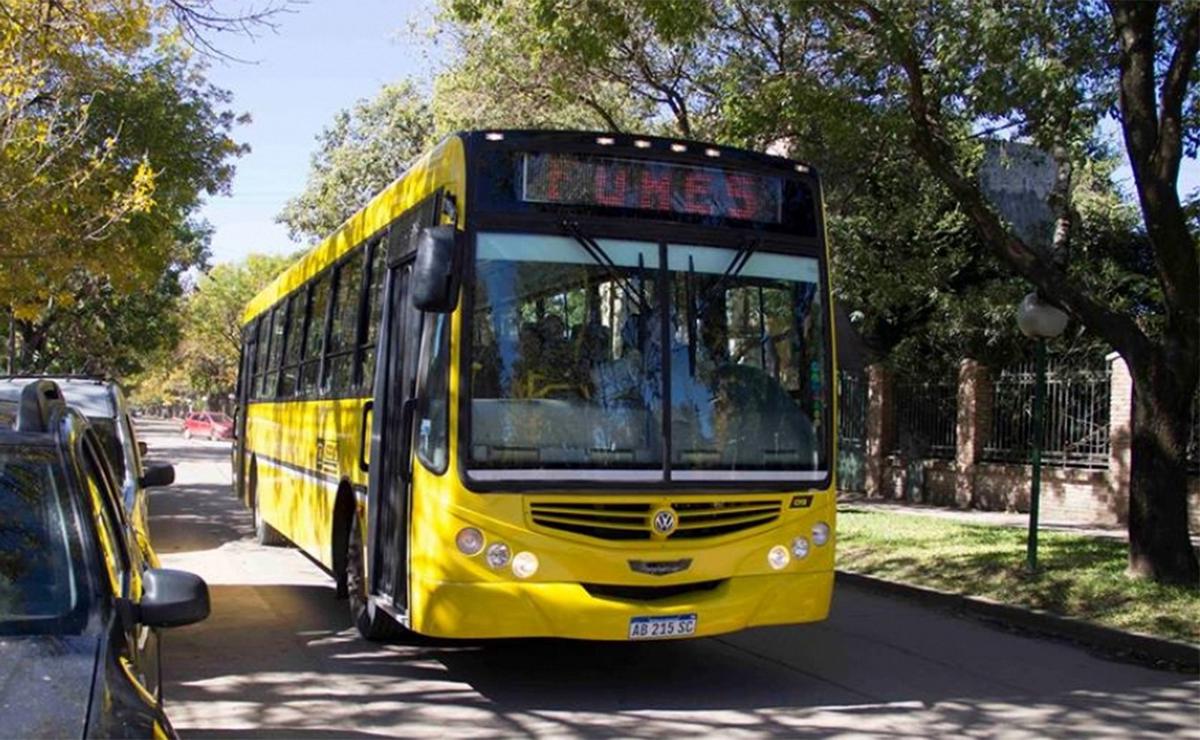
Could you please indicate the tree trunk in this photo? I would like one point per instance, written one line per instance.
(1159, 544)
(32, 345)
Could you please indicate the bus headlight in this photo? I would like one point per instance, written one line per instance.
(469, 541)
(800, 548)
(820, 533)
(524, 564)
(497, 555)
(778, 558)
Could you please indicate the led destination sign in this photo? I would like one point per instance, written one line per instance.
(651, 186)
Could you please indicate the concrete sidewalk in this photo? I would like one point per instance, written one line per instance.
(1014, 519)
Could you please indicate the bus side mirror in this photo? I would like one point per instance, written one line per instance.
(434, 282)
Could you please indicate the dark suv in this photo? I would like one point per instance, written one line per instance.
(79, 606)
(103, 404)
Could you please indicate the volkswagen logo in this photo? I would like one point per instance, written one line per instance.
(663, 522)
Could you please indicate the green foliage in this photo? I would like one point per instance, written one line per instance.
(101, 298)
(548, 63)
(359, 154)
(106, 331)
(1081, 577)
(204, 360)
(814, 81)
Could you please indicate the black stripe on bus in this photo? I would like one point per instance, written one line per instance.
(310, 472)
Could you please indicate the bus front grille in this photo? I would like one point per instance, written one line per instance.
(634, 521)
(647, 593)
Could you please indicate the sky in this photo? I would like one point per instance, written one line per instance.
(324, 56)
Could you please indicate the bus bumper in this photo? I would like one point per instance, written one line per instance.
(568, 610)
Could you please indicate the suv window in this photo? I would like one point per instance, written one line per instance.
(110, 531)
(110, 443)
(41, 566)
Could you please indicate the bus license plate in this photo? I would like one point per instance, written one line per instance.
(661, 628)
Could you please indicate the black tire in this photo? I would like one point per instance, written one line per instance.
(371, 622)
(264, 533)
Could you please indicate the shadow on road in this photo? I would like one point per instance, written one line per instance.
(185, 518)
(278, 658)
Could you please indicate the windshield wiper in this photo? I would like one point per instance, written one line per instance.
(600, 257)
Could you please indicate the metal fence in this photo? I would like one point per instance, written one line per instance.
(852, 431)
(1075, 428)
(926, 421)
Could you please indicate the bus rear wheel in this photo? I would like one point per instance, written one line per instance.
(371, 622)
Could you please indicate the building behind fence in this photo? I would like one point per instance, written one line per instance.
(966, 441)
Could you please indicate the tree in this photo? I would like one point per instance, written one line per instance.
(1048, 71)
(498, 81)
(79, 192)
(363, 151)
(54, 60)
(163, 115)
(204, 362)
(894, 101)
(104, 331)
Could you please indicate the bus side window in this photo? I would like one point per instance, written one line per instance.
(246, 371)
(433, 404)
(343, 332)
(314, 333)
(293, 340)
(275, 354)
(376, 267)
(260, 362)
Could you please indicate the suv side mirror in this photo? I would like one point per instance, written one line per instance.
(434, 282)
(171, 598)
(157, 475)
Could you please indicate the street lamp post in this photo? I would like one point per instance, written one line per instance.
(1040, 321)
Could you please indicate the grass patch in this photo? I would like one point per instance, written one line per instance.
(1079, 576)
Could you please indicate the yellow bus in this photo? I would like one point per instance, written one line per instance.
(556, 384)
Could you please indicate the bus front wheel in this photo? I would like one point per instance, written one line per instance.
(372, 623)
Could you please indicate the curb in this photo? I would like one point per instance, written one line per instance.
(1182, 656)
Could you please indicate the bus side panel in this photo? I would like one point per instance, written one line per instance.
(305, 451)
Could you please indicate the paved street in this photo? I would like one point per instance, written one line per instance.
(278, 658)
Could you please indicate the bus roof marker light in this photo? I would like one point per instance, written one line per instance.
(712, 152)
(494, 136)
(677, 147)
(469, 541)
(497, 555)
(605, 140)
(778, 557)
(802, 169)
(524, 564)
(641, 143)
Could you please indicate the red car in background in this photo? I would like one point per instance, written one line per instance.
(208, 424)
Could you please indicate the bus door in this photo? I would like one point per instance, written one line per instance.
(245, 370)
(390, 466)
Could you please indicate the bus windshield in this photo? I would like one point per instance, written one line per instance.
(568, 368)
